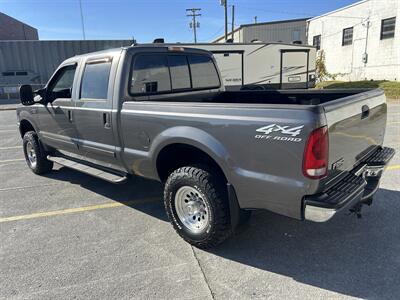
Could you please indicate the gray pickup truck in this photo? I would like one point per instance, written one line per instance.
(161, 112)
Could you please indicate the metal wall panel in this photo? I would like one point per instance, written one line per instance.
(41, 58)
(279, 32)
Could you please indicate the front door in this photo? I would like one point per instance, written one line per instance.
(93, 111)
(55, 118)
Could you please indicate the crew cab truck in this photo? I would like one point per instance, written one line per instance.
(161, 112)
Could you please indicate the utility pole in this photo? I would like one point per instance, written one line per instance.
(233, 20)
(83, 25)
(255, 19)
(224, 3)
(192, 12)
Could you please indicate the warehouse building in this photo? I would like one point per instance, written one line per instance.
(360, 41)
(33, 62)
(12, 29)
(286, 31)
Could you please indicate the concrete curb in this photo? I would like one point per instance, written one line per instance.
(7, 108)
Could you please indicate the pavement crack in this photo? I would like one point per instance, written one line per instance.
(203, 273)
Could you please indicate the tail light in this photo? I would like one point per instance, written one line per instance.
(316, 154)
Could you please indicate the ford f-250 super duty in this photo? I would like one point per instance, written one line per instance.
(161, 112)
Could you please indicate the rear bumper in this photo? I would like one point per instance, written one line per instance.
(358, 185)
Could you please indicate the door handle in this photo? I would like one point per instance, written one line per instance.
(107, 120)
(69, 115)
(364, 111)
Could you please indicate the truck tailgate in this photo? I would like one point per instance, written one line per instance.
(356, 126)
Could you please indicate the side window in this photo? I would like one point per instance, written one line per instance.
(95, 80)
(388, 27)
(347, 38)
(180, 75)
(204, 74)
(150, 74)
(317, 41)
(64, 79)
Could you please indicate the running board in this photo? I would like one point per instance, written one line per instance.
(105, 175)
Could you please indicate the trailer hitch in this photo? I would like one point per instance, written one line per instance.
(356, 209)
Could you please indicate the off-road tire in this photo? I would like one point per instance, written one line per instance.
(43, 165)
(213, 188)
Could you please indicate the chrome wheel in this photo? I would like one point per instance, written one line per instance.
(31, 153)
(192, 209)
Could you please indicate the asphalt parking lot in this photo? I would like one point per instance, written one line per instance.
(68, 235)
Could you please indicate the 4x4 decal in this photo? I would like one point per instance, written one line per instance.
(294, 131)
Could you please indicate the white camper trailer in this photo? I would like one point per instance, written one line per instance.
(263, 65)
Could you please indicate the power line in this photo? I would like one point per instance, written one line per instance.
(83, 25)
(192, 12)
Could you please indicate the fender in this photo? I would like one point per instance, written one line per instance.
(24, 115)
(193, 137)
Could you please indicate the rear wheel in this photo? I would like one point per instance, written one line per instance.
(196, 203)
(35, 156)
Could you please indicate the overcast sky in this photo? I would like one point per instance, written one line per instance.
(148, 19)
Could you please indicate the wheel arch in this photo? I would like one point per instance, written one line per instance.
(177, 146)
(25, 126)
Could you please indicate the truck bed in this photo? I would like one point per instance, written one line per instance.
(294, 97)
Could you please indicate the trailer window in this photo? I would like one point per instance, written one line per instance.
(150, 75)
(203, 71)
(95, 80)
(179, 68)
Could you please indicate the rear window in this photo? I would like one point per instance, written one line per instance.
(95, 80)
(158, 73)
(180, 75)
(150, 75)
(204, 73)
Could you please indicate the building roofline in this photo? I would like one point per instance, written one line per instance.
(19, 21)
(338, 10)
(275, 22)
(47, 41)
(260, 24)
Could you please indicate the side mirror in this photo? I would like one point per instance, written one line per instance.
(26, 94)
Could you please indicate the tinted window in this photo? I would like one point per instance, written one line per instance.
(347, 36)
(21, 73)
(95, 80)
(65, 79)
(388, 27)
(180, 76)
(7, 73)
(150, 74)
(203, 72)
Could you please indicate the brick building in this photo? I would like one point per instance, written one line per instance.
(12, 29)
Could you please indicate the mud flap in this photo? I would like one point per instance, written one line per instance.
(234, 208)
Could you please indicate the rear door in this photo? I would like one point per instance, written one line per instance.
(294, 68)
(92, 112)
(231, 67)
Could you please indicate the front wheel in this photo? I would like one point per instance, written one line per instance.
(35, 156)
(197, 206)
